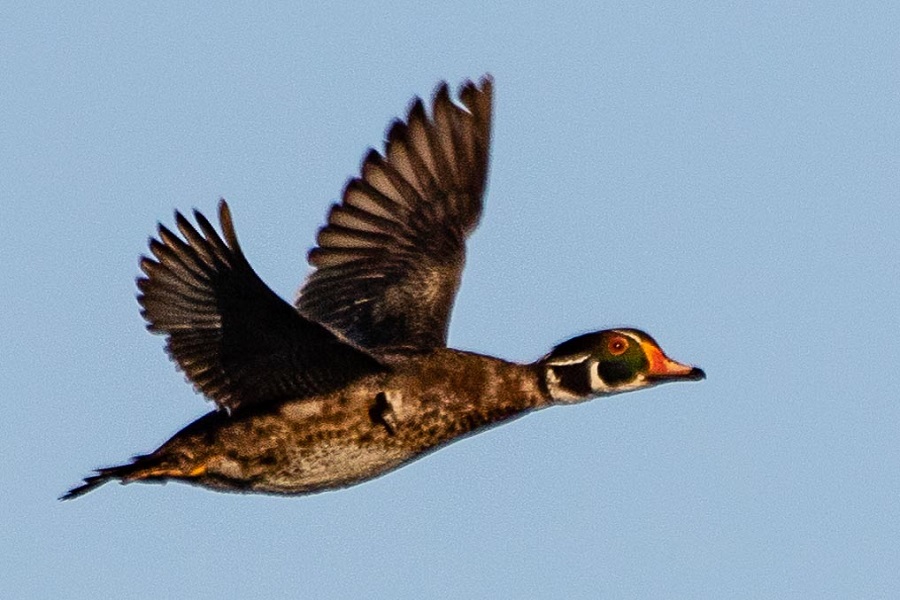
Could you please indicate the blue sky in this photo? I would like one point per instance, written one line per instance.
(725, 177)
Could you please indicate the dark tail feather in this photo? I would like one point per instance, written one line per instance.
(125, 473)
(94, 481)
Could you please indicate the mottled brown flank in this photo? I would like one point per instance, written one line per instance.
(332, 440)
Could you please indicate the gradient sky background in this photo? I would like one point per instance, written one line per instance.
(724, 176)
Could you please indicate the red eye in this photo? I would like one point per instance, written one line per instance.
(617, 346)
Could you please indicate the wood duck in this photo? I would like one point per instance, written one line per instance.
(356, 379)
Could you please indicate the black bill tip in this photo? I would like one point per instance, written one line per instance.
(696, 374)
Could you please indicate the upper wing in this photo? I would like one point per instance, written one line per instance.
(389, 260)
(237, 341)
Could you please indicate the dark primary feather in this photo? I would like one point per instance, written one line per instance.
(389, 260)
(238, 342)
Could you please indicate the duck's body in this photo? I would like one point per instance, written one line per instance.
(356, 380)
(345, 437)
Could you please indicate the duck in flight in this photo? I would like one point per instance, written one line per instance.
(356, 379)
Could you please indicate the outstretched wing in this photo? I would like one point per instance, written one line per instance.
(237, 341)
(389, 260)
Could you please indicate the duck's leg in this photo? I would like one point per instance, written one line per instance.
(382, 413)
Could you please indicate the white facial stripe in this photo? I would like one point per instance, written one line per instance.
(629, 335)
(597, 384)
(568, 360)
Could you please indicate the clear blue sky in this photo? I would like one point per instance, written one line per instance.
(724, 177)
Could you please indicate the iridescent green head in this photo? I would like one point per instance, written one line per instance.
(610, 362)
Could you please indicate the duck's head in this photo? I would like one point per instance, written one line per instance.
(609, 362)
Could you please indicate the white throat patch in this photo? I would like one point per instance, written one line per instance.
(557, 392)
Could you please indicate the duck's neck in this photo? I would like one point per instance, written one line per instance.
(567, 383)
